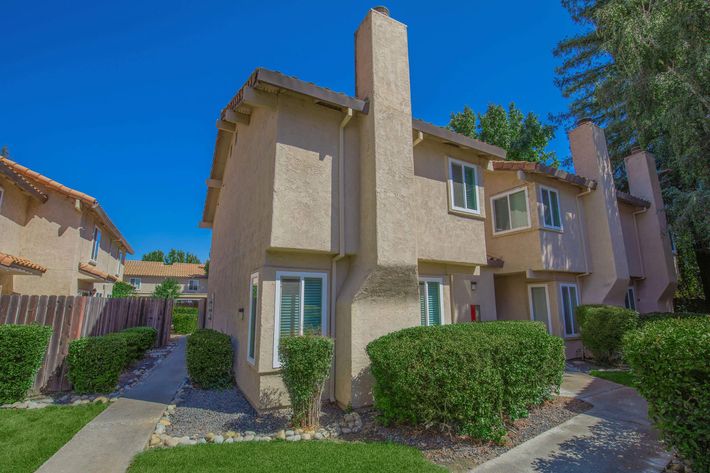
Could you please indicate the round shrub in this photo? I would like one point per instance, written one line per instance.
(185, 322)
(670, 362)
(305, 365)
(138, 341)
(209, 359)
(466, 377)
(95, 363)
(602, 328)
(22, 349)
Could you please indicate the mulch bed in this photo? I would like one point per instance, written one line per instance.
(462, 453)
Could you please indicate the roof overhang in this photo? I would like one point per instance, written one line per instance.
(456, 139)
(546, 171)
(23, 184)
(96, 274)
(17, 265)
(632, 200)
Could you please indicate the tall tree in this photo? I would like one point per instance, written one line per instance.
(523, 137)
(641, 69)
(180, 256)
(155, 255)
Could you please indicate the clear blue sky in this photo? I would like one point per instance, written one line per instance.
(119, 99)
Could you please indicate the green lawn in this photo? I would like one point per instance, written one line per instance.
(287, 457)
(621, 377)
(28, 437)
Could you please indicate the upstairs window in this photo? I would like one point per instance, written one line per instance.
(135, 282)
(193, 285)
(97, 244)
(510, 211)
(430, 300)
(463, 182)
(550, 199)
(300, 306)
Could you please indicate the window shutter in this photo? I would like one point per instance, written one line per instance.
(422, 303)
(290, 310)
(312, 305)
(471, 197)
(434, 303)
(458, 185)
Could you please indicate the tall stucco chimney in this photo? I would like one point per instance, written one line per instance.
(381, 292)
(608, 265)
(655, 291)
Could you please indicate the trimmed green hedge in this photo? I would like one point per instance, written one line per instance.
(602, 328)
(184, 320)
(209, 359)
(465, 376)
(305, 365)
(670, 362)
(95, 363)
(22, 349)
(138, 341)
(654, 316)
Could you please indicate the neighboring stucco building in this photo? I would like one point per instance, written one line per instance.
(343, 215)
(144, 276)
(54, 240)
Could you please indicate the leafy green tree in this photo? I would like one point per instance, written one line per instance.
(168, 289)
(5, 152)
(122, 289)
(641, 69)
(523, 137)
(180, 256)
(207, 267)
(156, 255)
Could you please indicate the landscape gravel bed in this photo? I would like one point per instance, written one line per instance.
(461, 453)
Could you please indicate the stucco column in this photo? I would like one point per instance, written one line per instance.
(609, 278)
(380, 294)
(655, 291)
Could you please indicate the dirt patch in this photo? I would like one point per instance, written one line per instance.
(462, 453)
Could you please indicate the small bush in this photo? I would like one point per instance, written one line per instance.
(654, 316)
(184, 320)
(670, 362)
(305, 365)
(209, 359)
(467, 377)
(138, 341)
(95, 363)
(22, 349)
(602, 328)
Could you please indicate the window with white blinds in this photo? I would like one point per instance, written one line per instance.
(430, 300)
(301, 302)
(463, 182)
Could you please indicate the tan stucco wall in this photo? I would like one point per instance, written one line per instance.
(631, 238)
(13, 214)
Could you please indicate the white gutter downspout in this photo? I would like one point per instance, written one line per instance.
(341, 239)
(638, 242)
(582, 233)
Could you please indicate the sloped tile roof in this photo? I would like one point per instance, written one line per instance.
(10, 261)
(626, 198)
(539, 168)
(39, 181)
(159, 269)
(92, 270)
(20, 181)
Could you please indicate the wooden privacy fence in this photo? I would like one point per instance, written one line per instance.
(73, 317)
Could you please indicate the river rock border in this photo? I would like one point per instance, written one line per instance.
(350, 423)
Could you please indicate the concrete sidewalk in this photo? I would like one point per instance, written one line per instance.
(109, 442)
(613, 436)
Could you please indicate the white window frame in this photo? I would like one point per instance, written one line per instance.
(527, 210)
(547, 301)
(254, 279)
(197, 285)
(631, 295)
(476, 186)
(559, 209)
(136, 286)
(2, 195)
(96, 244)
(440, 280)
(277, 306)
(562, 313)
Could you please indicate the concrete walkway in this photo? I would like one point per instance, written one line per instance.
(613, 436)
(109, 442)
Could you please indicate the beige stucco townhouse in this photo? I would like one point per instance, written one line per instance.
(54, 240)
(144, 276)
(344, 215)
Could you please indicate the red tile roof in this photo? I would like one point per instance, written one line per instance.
(92, 270)
(539, 168)
(20, 181)
(39, 181)
(626, 198)
(159, 269)
(10, 261)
